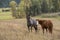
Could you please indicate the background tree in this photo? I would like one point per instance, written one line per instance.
(55, 5)
(13, 5)
(50, 6)
(44, 6)
(34, 7)
(22, 8)
(59, 4)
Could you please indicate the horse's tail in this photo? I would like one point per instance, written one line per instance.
(50, 28)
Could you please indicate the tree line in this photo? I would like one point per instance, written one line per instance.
(34, 7)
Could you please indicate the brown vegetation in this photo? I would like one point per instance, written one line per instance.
(16, 29)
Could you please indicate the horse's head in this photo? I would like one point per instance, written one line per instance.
(40, 21)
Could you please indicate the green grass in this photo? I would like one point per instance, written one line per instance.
(48, 16)
(39, 16)
(58, 17)
(8, 15)
(5, 15)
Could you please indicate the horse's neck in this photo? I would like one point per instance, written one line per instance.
(41, 22)
(28, 20)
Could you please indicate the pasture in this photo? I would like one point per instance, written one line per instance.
(16, 29)
(5, 15)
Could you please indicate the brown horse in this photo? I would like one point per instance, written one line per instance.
(46, 24)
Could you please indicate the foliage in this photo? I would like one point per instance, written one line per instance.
(44, 6)
(13, 5)
(5, 3)
(34, 7)
(55, 5)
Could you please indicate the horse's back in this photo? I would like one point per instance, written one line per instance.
(34, 22)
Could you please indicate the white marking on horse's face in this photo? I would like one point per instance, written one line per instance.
(37, 23)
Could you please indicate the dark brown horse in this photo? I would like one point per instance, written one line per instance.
(46, 24)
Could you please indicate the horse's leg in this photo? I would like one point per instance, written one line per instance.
(50, 29)
(29, 28)
(46, 30)
(43, 29)
(35, 27)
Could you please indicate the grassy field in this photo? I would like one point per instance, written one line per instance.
(5, 15)
(16, 29)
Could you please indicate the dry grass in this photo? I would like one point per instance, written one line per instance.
(16, 29)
